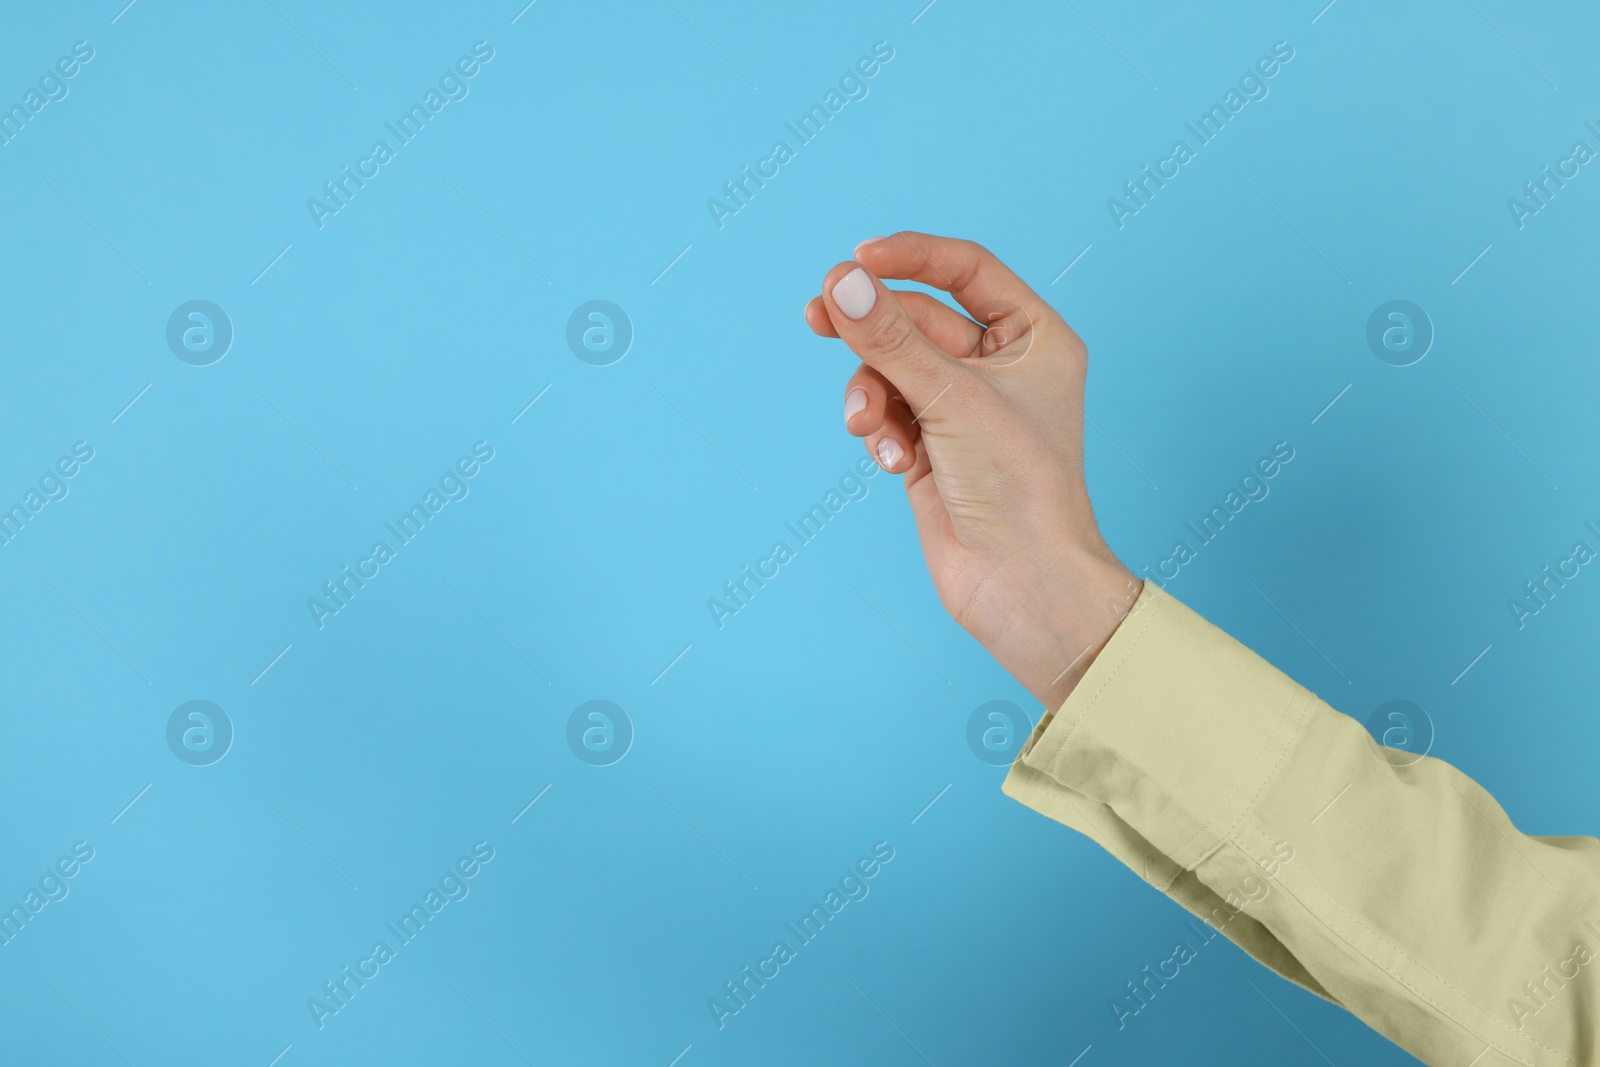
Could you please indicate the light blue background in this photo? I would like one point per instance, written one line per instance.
(776, 751)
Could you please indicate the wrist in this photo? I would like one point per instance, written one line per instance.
(1066, 614)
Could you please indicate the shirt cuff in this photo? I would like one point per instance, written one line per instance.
(1176, 728)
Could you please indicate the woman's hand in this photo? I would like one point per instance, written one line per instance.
(984, 417)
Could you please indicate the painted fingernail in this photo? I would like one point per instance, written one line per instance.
(855, 402)
(888, 453)
(855, 294)
(863, 244)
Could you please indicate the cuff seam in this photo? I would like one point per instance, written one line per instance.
(1399, 979)
(1123, 653)
(1222, 833)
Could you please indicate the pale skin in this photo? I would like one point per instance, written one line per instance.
(982, 415)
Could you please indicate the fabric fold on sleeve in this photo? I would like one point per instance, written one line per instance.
(1394, 887)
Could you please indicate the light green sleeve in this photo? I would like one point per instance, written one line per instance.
(1402, 893)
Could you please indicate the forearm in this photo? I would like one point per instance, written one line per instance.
(1407, 895)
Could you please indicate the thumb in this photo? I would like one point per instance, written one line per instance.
(876, 326)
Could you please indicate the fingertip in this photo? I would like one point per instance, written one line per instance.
(836, 273)
(877, 328)
(867, 244)
(816, 315)
(890, 454)
(855, 413)
(855, 292)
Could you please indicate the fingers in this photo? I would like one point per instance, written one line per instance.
(874, 411)
(817, 318)
(894, 443)
(866, 399)
(940, 323)
(877, 327)
(967, 271)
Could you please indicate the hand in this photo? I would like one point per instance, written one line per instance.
(984, 418)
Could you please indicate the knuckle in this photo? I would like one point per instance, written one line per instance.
(1055, 332)
(891, 335)
(969, 262)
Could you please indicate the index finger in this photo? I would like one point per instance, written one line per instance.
(966, 270)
